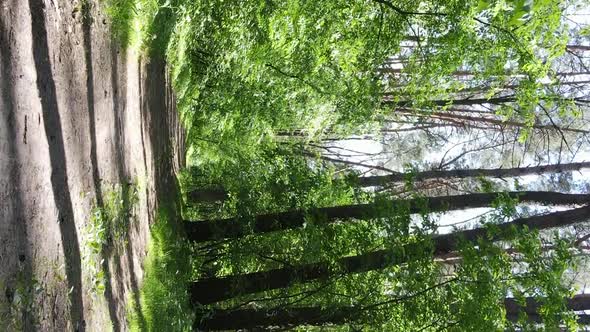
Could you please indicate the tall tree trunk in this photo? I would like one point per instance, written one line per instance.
(474, 101)
(212, 290)
(466, 119)
(448, 102)
(379, 180)
(200, 231)
(290, 317)
(260, 318)
(209, 195)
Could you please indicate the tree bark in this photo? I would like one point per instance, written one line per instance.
(210, 195)
(291, 317)
(379, 180)
(260, 318)
(212, 290)
(200, 231)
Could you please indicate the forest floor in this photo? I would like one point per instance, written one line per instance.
(84, 125)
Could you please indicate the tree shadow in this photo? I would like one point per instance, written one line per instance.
(87, 20)
(119, 113)
(159, 120)
(119, 85)
(19, 266)
(160, 116)
(59, 178)
(142, 135)
(87, 37)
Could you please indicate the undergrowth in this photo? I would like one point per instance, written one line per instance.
(107, 229)
(141, 24)
(124, 25)
(16, 313)
(164, 300)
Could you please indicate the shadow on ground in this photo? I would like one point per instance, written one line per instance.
(78, 114)
(57, 157)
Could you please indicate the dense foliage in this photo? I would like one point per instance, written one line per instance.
(272, 93)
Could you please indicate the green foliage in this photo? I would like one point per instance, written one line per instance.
(259, 82)
(122, 16)
(424, 294)
(550, 282)
(276, 180)
(142, 24)
(245, 72)
(269, 66)
(107, 228)
(269, 181)
(164, 303)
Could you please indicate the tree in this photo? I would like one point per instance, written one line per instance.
(380, 180)
(216, 289)
(219, 194)
(200, 231)
(220, 319)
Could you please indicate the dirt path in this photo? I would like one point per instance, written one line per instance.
(78, 114)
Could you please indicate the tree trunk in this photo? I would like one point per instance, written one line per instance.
(212, 290)
(379, 180)
(211, 195)
(474, 101)
(291, 317)
(466, 119)
(465, 101)
(200, 231)
(259, 318)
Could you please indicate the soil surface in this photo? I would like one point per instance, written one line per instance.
(78, 115)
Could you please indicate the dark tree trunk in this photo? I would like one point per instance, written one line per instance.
(290, 317)
(210, 195)
(200, 231)
(256, 318)
(379, 180)
(212, 290)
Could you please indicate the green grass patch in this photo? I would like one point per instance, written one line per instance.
(123, 14)
(142, 24)
(164, 303)
(107, 228)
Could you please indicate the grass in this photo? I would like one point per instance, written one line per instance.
(122, 14)
(164, 299)
(142, 24)
(107, 228)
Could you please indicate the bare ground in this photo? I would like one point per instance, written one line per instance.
(77, 114)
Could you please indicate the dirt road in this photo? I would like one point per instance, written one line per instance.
(78, 115)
